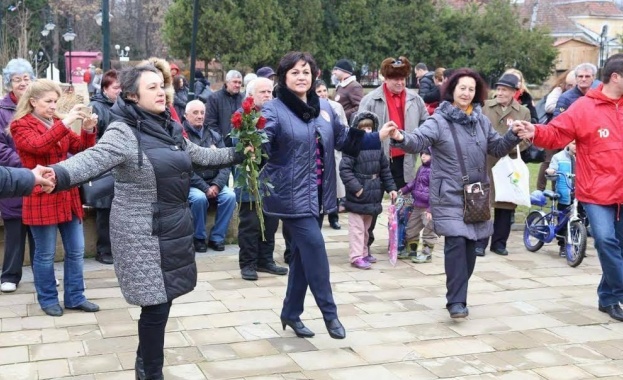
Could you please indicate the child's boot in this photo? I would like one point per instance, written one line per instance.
(426, 256)
(410, 250)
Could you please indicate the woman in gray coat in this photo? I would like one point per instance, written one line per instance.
(463, 95)
(151, 229)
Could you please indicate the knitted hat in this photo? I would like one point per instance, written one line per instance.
(174, 67)
(396, 68)
(508, 80)
(344, 65)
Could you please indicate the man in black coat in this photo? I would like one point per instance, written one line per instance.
(223, 103)
(208, 185)
(425, 78)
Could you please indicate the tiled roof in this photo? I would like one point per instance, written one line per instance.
(555, 14)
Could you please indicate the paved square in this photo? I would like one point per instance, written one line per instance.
(531, 317)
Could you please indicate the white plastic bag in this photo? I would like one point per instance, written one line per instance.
(511, 178)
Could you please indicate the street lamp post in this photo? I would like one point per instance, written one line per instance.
(36, 58)
(103, 19)
(124, 54)
(69, 36)
(49, 26)
(193, 50)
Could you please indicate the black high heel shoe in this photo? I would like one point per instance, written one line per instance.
(335, 329)
(299, 328)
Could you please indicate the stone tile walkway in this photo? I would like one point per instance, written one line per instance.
(531, 317)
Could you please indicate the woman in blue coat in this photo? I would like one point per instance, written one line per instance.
(303, 132)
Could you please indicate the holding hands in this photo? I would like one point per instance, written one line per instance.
(45, 177)
(390, 129)
(523, 129)
(393, 195)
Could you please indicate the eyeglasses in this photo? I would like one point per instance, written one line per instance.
(583, 76)
(20, 80)
(397, 63)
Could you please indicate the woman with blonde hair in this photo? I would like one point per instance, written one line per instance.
(523, 96)
(42, 138)
(564, 82)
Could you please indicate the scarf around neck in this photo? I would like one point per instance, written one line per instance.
(304, 111)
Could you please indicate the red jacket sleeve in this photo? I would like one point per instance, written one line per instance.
(559, 132)
(79, 143)
(28, 139)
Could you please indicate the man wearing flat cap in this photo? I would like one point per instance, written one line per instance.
(348, 92)
(393, 101)
(502, 112)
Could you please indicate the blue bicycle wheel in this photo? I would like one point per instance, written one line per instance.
(533, 229)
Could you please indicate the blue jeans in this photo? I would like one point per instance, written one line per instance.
(225, 206)
(43, 266)
(607, 228)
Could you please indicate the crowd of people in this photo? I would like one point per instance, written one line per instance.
(173, 158)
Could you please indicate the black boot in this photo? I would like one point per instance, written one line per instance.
(139, 369)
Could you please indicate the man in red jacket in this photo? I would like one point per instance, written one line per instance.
(594, 122)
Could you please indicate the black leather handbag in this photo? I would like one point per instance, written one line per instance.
(99, 191)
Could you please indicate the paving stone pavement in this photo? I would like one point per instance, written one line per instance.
(531, 317)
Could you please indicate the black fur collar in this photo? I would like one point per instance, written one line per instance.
(305, 111)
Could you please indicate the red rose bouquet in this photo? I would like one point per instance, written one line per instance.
(248, 130)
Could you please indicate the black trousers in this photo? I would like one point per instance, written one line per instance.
(501, 228)
(15, 233)
(459, 262)
(396, 165)
(253, 250)
(102, 226)
(287, 254)
(151, 326)
(309, 267)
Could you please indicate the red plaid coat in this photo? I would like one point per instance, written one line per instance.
(38, 145)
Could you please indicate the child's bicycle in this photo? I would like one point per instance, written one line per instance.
(543, 227)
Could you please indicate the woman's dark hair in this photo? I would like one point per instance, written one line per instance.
(318, 83)
(290, 60)
(109, 78)
(130, 78)
(447, 91)
(176, 82)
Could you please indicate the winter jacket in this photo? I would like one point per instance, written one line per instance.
(370, 172)
(563, 162)
(15, 182)
(204, 177)
(291, 148)
(179, 101)
(38, 145)
(415, 114)
(477, 138)
(202, 89)
(221, 105)
(10, 208)
(427, 84)
(420, 186)
(567, 99)
(501, 120)
(101, 107)
(151, 228)
(595, 123)
(349, 94)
